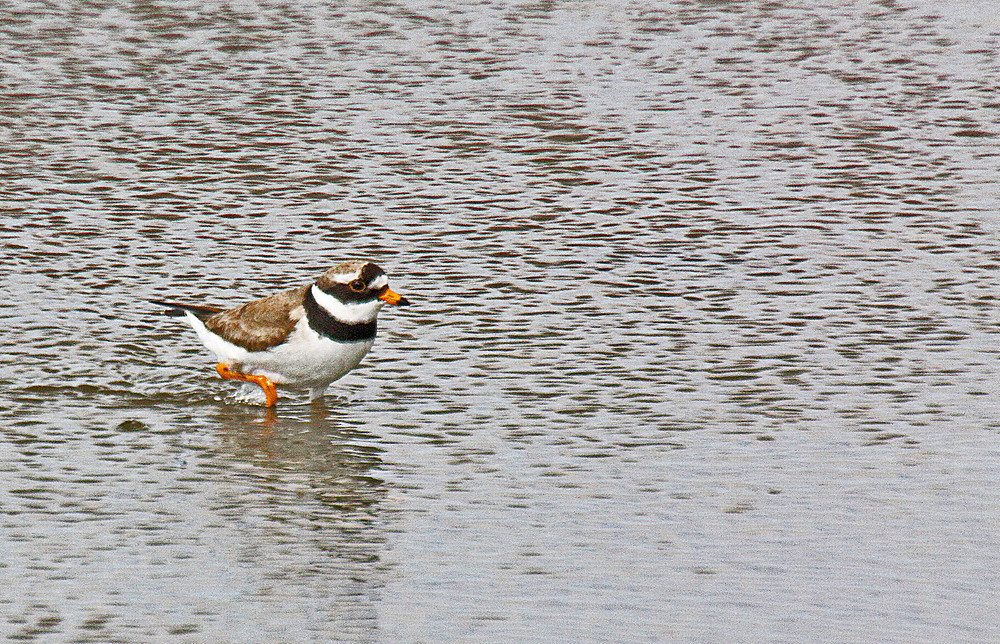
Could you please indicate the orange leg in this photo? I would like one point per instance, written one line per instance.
(270, 391)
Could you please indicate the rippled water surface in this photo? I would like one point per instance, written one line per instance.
(704, 341)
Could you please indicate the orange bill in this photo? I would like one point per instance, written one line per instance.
(393, 298)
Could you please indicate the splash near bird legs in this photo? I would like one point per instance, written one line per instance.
(270, 391)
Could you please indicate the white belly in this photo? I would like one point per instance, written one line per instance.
(306, 359)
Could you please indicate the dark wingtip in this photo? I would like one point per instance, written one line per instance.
(176, 310)
(172, 309)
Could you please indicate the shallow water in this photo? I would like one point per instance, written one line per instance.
(703, 344)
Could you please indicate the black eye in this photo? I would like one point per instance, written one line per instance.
(357, 286)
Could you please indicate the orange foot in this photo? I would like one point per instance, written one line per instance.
(270, 391)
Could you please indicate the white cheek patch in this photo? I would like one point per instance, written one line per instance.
(348, 312)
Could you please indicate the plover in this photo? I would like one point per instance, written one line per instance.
(307, 337)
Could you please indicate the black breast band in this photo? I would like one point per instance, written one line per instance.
(328, 326)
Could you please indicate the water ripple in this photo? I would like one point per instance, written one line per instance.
(665, 262)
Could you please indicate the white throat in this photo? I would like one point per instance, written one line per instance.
(348, 312)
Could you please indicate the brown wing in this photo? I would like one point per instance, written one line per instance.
(260, 325)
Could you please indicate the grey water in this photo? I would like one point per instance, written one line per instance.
(703, 344)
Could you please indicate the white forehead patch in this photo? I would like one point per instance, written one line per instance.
(345, 278)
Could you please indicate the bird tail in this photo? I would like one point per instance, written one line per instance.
(177, 310)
